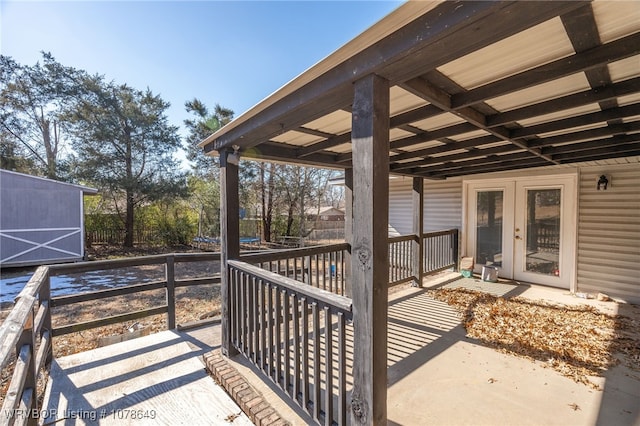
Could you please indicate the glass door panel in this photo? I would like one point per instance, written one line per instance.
(543, 231)
(489, 227)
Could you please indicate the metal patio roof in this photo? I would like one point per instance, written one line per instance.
(475, 87)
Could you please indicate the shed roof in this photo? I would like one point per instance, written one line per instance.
(85, 189)
(475, 87)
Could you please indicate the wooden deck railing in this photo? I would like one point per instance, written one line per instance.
(295, 334)
(440, 251)
(281, 324)
(318, 266)
(401, 259)
(26, 334)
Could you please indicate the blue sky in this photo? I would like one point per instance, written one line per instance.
(234, 53)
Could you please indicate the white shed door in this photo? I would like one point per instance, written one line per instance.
(525, 227)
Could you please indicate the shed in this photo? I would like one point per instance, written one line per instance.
(41, 220)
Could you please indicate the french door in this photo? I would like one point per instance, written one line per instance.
(525, 227)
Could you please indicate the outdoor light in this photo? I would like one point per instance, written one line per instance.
(602, 182)
(234, 158)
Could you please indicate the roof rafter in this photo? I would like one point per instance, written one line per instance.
(590, 59)
(421, 87)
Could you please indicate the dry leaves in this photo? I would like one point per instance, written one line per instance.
(577, 341)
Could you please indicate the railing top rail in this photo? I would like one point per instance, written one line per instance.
(273, 255)
(436, 233)
(400, 238)
(12, 327)
(340, 302)
(196, 257)
(101, 265)
(158, 259)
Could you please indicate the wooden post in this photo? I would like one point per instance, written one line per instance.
(170, 278)
(348, 228)
(418, 228)
(229, 240)
(27, 338)
(44, 296)
(370, 251)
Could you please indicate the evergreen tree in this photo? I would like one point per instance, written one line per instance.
(125, 146)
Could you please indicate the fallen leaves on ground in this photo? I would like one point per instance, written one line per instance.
(577, 341)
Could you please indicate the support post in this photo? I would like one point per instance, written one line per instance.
(370, 251)
(44, 296)
(170, 278)
(229, 242)
(418, 228)
(348, 228)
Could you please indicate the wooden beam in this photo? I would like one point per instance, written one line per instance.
(277, 151)
(613, 144)
(370, 252)
(574, 100)
(229, 241)
(469, 143)
(486, 168)
(421, 87)
(319, 146)
(599, 132)
(417, 195)
(581, 120)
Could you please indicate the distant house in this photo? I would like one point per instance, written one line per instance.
(41, 220)
(326, 214)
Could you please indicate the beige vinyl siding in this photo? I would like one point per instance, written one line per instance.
(442, 205)
(401, 204)
(608, 247)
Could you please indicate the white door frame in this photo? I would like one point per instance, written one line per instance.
(514, 188)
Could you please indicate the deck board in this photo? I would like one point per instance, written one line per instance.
(157, 379)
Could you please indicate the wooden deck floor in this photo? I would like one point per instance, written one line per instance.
(157, 379)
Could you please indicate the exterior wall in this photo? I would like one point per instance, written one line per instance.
(608, 248)
(401, 205)
(442, 205)
(608, 229)
(40, 221)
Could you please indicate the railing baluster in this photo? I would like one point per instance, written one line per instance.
(295, 310)
(233, 307)
(315, 317)
(328, 342)
(342, 370)
(253, 324)
(278, 335)
(325, 271)
(305, 353)
(317, 263)
(243, 314)
(263, 326)
(270, 327)
(286, 298)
